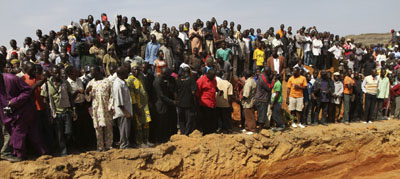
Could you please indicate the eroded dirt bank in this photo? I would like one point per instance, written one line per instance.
(336, 151)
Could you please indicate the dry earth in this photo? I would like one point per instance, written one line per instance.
(371, 38)
(335, 151)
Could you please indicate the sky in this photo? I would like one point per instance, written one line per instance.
(21, 18)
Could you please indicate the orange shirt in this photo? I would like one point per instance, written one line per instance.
(159, 64)
(36, 93)
(300, 81)
(280, 32)
(347, 80)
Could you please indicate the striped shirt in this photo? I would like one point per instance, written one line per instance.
(370, 85)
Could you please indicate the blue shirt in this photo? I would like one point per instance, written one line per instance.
(253, 41)
(307, 92)
(151, 52)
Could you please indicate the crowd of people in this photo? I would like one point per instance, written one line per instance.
(124, 84)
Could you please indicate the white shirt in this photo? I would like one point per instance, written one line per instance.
(276, 43)
(307, 46)
(77, 85)
(183, 36)
(276, 65)
(122, 97)
(112, 77)
(316, 47)
(380, 58)
(337, 51)
(247, 44)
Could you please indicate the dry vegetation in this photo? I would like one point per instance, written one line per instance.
(372, 38)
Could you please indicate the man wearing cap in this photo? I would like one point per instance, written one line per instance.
(337, 95)
(347, 93)
(124, 41)
(100, 26)
(141, 112)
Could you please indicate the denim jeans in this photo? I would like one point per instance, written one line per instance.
(63, 129)
(308, 58)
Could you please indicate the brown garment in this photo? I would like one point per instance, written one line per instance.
(250, 122)
(282, 63)
(195, 62)
(196, 41)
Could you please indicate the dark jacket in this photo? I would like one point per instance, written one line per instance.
(164, 88)
(317, 88)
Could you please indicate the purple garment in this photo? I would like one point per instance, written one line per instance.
(324, 87)
(19, 123)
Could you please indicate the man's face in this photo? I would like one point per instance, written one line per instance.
(210, 76)
(157, 26)
(373, 73)
(39, 33)
(93, 72)
(296, 72)
(13, 44)
(135, 71)
(239, 27)
(90, 19)
(55, 73)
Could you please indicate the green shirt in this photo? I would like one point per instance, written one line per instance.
(277, 87)
(224, 54)
(59, 93)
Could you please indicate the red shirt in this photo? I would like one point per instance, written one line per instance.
(206, 89)
(36, 93)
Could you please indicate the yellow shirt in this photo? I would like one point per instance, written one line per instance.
(300, 81)
(259, 56)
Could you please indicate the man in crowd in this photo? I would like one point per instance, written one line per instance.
(123, 102)
(224, 103)
(57, 93)
(206, 89)
(263, 97)
(186, 93)
(296, 84)
(370, 88)
(99, 92)
(18, 116)
(164, 87)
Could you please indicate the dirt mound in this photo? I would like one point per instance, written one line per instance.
(335, 151)
(371, 38)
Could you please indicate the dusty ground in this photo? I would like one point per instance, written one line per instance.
(336, 151)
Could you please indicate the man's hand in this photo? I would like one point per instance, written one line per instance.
(89, 89)
(127, 114)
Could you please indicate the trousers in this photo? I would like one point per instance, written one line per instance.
(369, 109)
(124, 126)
